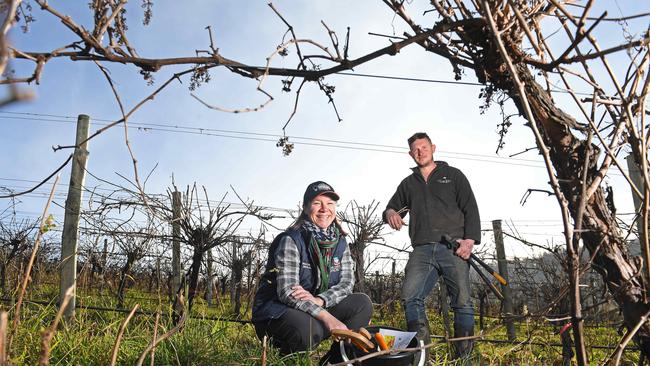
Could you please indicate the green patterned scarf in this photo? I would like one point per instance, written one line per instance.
(322, 244)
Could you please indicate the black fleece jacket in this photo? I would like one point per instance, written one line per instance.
(444, 204)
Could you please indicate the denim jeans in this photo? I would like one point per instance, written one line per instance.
(426, 263)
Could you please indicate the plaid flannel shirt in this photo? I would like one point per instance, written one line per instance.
(287, 260)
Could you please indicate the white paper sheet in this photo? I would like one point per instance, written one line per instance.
(396, 339)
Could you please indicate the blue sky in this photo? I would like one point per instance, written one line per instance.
(374, 111)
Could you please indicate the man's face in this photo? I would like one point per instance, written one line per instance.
(422, 152)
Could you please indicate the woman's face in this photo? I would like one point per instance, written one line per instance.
(322, 211)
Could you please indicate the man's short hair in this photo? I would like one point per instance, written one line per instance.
(417, 136)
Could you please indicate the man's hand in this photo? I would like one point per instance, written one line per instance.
(394, 219)
(465, 247)
(301, 294)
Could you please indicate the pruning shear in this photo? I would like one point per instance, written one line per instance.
(473, 259)
(360, 339)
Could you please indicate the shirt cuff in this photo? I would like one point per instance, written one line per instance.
(312, 309)
(324, 301)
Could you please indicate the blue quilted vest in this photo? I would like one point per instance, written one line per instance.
(266, 304)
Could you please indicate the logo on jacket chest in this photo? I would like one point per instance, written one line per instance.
(443, 180)
(336, 264)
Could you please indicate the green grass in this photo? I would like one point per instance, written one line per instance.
(90, 338)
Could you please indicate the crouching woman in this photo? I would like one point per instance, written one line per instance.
(306, 290)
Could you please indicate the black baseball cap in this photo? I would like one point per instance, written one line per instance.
(316, 189)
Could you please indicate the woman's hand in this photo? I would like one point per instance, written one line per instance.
(301, 294)
(330, 321)
(324, 316)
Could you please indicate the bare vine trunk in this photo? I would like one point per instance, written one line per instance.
(3, 277)
(356, 251)
(195, 270)
(123, 278)
(236, 286)
(600, 235)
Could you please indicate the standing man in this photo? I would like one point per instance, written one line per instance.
(439, 201)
